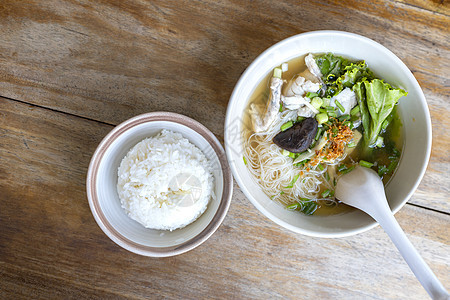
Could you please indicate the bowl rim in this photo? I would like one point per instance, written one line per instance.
(241, 83)
(109, 229)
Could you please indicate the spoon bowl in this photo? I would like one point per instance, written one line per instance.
(362, 188)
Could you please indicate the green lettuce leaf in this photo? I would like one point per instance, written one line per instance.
(354, 73)
(339, 73)
(360, 92)
(377, 100)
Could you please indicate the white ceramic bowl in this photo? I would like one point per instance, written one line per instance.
(104, 200)
(412, 109)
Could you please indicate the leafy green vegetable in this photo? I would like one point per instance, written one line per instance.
(353, 73)
(331, 65)
(360, 92)
(376, 101)
(339, 73)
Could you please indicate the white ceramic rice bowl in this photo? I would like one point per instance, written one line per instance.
(101, 186)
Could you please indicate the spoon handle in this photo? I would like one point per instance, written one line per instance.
(419, 267)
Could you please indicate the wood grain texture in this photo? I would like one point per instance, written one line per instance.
(50, 245)
(111, 60)
(74, 68)
(437, 6)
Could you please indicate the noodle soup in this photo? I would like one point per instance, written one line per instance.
(298, 164)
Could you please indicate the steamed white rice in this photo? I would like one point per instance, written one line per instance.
(165, 182)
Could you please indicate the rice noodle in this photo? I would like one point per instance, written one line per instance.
(274, 172)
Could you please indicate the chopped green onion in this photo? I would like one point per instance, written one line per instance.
(348, 170)
(354, 110)
(317, 102)
(327, 176)
(344, 117)
(281, 107)
(292, 155)
(322, 110)
(380, 142)
(351, 145)
(338, 104)
(330, 109)
(321, 118)
(311, 95)
(395, 155)
(309, 208)
(245, 160)
(319, 132)
(348, 124)
(326, 193)
(299, 119)
(326, 102)
(291, 185)
(302, 162)
(285, 152)
(320, 167)
(286, 125)
(396, 152)
(332, 114)
(277, 72)
(342, 168)
(294, 206)
(366, 164)
(392, 166)
(382, 170)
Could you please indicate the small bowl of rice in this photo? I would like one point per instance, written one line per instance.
(159, 184)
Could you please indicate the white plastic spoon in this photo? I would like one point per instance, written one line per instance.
(362, 188)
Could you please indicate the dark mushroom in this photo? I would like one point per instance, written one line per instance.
(299, 137)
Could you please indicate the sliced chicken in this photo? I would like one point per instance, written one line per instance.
(305, 109)
(347, 98)
(313, 67)
(272, 108)
(300, 86)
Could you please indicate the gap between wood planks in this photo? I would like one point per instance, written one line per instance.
(439, 2)
(113, 125)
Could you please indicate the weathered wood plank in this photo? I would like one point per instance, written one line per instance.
(50, 245)
(437, 6)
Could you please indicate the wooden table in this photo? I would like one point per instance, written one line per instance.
(70, 70)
